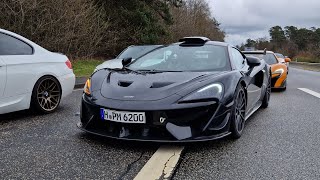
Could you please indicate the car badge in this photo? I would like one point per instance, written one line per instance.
(162, 119)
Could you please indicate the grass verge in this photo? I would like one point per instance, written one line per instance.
(306, 66)
(85, 67)
(306, 59)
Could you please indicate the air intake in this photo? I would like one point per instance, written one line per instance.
(160, 84)
(125, 83)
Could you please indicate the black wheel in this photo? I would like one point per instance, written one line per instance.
(46, 95)
(285, 86)
(266, 98)
(238, 113)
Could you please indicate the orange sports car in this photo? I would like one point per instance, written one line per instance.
(283, 59)
(279, 70)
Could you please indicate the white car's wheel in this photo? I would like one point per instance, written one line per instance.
(46, 95)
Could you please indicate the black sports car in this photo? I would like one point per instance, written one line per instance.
(194, 90)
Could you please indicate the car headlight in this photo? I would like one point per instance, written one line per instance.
(279, 71)
(87, 87)
(207, 93)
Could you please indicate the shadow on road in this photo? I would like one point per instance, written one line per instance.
(118, 144)
(15, 116)
(278, 91)
(23, 115)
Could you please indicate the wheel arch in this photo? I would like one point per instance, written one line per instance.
(47, 75)
(244, 85)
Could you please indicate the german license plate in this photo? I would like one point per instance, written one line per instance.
(123, 116)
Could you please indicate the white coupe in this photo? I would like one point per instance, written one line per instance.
(31, 76)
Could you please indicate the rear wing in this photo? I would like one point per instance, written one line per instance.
(264, 52)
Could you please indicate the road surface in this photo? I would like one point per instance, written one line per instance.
(280, 142)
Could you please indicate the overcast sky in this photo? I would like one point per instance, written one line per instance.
(243, 19)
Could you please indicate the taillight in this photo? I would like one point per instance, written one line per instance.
(68, 63)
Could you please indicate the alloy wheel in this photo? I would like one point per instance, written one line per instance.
(240, 111)
(48, 94)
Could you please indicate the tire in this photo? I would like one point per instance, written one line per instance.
(266, 97)
(285, 86)
(238, 113)
(46, 95)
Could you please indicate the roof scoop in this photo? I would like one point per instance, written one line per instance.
(196, 40)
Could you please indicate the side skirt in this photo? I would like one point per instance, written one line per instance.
(257, 106)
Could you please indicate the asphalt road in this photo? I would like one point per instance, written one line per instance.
(280, 142)
(52, 147)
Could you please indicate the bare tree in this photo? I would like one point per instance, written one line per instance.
(74, 27)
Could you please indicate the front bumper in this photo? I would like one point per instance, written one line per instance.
(199, 123)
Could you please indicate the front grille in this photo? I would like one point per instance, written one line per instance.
(196, 118)
(133, 131)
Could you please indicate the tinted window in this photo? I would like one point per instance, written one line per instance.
(191, 58)
(237, 58)
(269, 58)
(279, 55)
(136, 51)
(12, 46)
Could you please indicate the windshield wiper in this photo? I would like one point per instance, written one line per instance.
(135, 71)
(156, 71)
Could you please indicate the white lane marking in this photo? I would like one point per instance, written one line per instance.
(162, 163)
(310, 92)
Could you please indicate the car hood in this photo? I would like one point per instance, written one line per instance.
(128, 86)
(111, 64)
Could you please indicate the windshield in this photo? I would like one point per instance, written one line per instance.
(136, 51)
(269, 58)
(279, 55)
(178, 58)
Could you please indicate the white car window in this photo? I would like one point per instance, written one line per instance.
(12, 46)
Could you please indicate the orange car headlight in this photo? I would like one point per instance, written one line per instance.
(87, 87)
(278, 71)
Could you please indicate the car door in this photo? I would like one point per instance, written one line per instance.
(3, 77)
(252, 76)
(17, 55)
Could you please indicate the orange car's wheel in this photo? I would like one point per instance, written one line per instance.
(283, 86)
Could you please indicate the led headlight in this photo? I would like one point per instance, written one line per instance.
(279, 71)
(87, 87)
(207, 93)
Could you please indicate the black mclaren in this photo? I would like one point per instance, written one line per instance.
(193, 90)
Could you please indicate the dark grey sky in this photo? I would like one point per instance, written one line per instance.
(243, 19)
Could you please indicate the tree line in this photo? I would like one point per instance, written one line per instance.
(290, 40)
(99, 28)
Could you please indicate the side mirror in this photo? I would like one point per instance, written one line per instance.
(253, 61)
(126, 61)
(287, 59)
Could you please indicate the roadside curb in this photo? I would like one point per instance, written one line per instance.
(80, 82)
